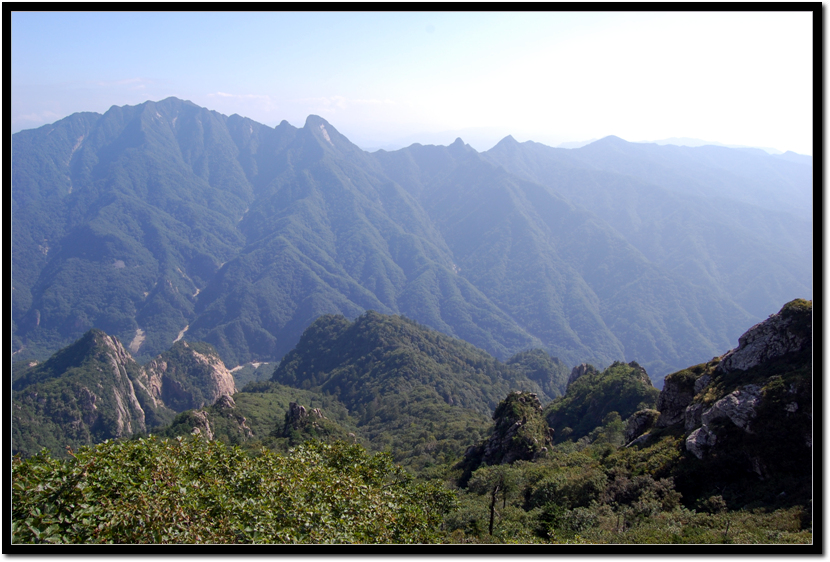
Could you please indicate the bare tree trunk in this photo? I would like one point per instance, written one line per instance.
(493, 506)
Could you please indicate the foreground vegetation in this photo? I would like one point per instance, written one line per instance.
(190, 490)
(600, 494)
(198, 491)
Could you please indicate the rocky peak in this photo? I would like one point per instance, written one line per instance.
(689, 396)
(221, 380)
(640, 373)
(298, 417)
(580, 370)
(738, 406)
(521, 432)
(223, 408)
(114, 347)
(201, 424)
(789, 331)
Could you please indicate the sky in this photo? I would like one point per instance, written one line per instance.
(387, 80)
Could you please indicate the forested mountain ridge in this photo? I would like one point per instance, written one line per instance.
(697, 212)
(165, 221)
(378, 355)
(383, 381)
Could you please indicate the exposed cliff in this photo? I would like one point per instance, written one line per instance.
(733, 386)
(748, 411)
(787, 332)
(580, 370)
(83, 394)
(302, 424)
(188, 375)
(93, 390)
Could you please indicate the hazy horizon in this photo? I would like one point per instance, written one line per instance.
(391, 79)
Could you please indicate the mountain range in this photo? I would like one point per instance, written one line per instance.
(166, 221)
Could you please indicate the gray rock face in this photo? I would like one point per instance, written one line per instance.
(785, 333)
(693, 416)
(225, 402)
(764, 341)
(202, 426)
(224, 407)
(672, 402)
(129, 415)
(164, 381)
(700, 441)
(297, 416)
(578, 371)
(221, 381)
(702, 383)
(639, 423)
(738, 406)
(641, 373)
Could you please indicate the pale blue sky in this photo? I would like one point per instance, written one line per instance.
(386, 79)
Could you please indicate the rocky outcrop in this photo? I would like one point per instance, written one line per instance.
(687, 396)
(700, 441)
(129, 415)
(580, 370)
(776, 336)
(185, 378)
(93, 390)
(80, 396)
(204, 422)
(521, 432)
(739, 407)
(702, 383)
(297, 418)
(150, 380)
(201, 425)
(677, 394)
(225, 402)
(639, 423)
(692, 417)
(639, 372)
(220, 382)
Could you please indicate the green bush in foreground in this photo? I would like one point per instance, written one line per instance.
(189, 490)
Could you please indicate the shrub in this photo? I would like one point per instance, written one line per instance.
(196, 491)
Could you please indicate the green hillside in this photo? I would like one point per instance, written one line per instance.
(620, 388)
(414, 391)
